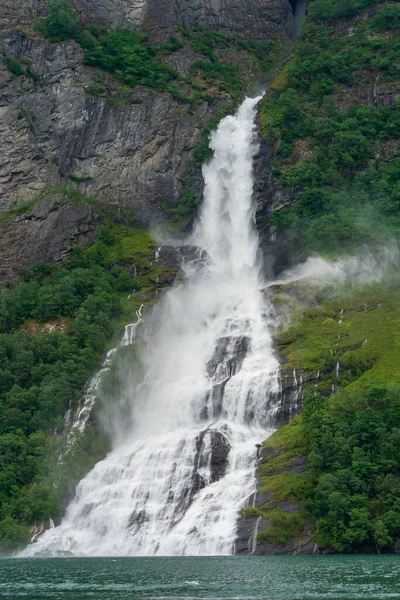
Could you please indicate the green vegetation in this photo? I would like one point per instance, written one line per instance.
(124, 54)
(321, 10)
(362, 338)
(41, 374)
(25, 114)
(54, 328)
(250, 511)
(283, 487)
(227, 75)
(186, 206)
(80, 178)
(71, 194)
(14, 66)
(20, 67)
(351, 439)
(21, 208)
(337, 150)
(290, 438)
(284, 526)
(354, 462)
(62, 22)
(128, 56)
(349, 493)
(96, 88)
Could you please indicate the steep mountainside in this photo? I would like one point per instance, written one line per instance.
(103, 133)
(332, 119)
(329, 480)
(67, 123)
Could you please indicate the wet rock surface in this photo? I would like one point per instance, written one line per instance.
(236, 349)
(305, 545)
(219, 456)
(227, 360)
(218, 461)
(250, 525)
(274, 246)
(193, 258)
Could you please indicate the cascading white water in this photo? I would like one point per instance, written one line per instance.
(174, 485)
(75, 422)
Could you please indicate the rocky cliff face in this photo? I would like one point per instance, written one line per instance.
(137, 155)
(130, 154)
(45, 233)
(246, 19)
(269, 198)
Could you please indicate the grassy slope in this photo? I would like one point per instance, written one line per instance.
(368, 352)
(364, 338)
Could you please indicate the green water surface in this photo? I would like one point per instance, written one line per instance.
(239, 578)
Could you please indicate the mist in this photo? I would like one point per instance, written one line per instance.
(368, 266)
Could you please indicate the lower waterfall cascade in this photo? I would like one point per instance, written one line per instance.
(175, 483)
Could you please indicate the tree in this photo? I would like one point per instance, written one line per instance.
(381, 536)
(62, 22)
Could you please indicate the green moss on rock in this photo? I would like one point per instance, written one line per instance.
(283, 526)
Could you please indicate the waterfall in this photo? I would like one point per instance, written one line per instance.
(76, 423)
(175, 483)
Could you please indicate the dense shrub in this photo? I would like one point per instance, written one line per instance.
(388, 17)
(62, 22)
(122, 53)
(354, 459)
(128, 56)
(227, 74)
(328, 10)
(14, 66)
(42, 375)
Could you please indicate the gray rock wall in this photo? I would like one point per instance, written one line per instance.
(129, 154)
(44, 234)
(246, 19)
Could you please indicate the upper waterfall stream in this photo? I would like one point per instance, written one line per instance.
(175, 483)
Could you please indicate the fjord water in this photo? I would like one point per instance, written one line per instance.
(209, 386)
(234, 577)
